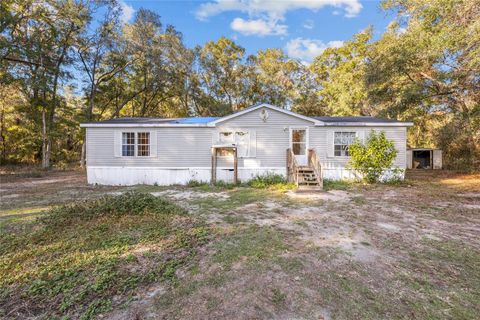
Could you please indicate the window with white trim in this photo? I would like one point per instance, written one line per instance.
(341, 142)
(241, 139)
(128, 144)
(135, 144)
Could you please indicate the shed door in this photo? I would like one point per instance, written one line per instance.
(299, 144)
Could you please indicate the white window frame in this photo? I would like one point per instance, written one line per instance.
(136, 144)
(342, 131)
(234, 141)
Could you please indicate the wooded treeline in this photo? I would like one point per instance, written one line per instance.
(63, 62)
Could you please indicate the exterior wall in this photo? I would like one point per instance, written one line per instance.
(272, 137)
(176, 147)
(184, 153)
(321, 139)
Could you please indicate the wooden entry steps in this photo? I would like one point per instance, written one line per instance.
(307, 177)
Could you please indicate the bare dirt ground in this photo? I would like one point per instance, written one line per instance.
(370, 252)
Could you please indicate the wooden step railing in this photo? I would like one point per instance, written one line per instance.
(314, 163)
(292, 167)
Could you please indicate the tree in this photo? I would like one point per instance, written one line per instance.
(372, 158)
(100, 58)
(426, 68)
(40, 40)
(340, 74)
(220, 74)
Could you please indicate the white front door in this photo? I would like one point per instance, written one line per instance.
(299, 144)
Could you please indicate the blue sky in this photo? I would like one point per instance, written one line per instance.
(303, 28)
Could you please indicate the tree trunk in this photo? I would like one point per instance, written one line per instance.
(91, 98)
(3, 155)
(84, 152)
(45, 143)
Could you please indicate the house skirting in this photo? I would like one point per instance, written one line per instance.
(127, 176)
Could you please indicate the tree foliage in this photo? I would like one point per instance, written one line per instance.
(373, 157)
(63, 62)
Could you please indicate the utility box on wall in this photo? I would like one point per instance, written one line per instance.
(424, 158)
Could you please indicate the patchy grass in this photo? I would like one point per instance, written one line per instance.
(447, 281)
(337, 184)
(251, 245)
(234, 219)
(237, 197)
(359, 200)
(88, 257)
(385, 252)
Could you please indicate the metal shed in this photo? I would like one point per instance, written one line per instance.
(424, 158)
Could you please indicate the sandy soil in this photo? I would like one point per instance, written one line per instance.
(322, 255)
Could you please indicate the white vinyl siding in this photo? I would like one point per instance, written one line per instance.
(322, 140)
(169, 147)
(255, 118)
(190, 147)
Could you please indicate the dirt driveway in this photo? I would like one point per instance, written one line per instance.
(368, 252)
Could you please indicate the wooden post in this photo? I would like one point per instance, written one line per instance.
(288, 165)
(214, 166)
(235, 166)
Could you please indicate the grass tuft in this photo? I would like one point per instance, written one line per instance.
(129, 203)
(337, 184)
(81, 256)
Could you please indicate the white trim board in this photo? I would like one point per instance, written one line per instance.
(269, 106)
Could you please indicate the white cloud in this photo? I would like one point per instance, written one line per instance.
(274, 9)
(258, 27)
(308, 24)
(307, 49)
(127, 12)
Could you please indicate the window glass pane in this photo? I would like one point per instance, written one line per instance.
(341, 142)
(242, 140)
(351, 137)
(226, 137)
(299, 148)
(128, 144)
(143, 144)
(299, 135)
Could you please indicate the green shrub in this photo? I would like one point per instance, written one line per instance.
(266, 180)
(373, 157)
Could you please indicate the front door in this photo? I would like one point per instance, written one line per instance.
(299, 144)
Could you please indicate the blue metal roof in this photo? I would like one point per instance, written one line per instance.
(195, 120)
